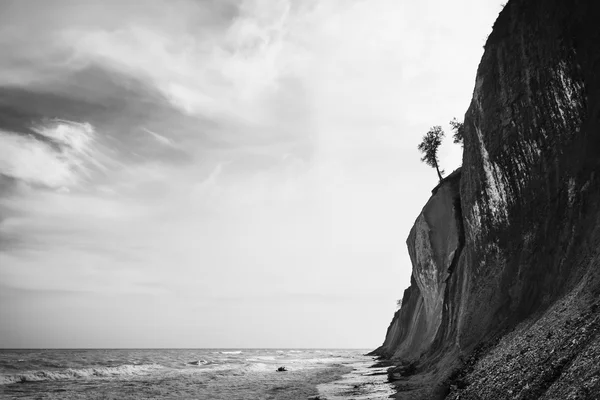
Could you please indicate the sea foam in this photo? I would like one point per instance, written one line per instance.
(78, 373)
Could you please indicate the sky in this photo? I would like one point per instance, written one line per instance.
(219, 173)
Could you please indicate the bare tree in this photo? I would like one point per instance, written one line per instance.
(429, 147)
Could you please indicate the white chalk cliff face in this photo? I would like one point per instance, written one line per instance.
(432, 244)
(508, 235)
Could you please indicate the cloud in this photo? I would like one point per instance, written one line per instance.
(159, 138)
(201, 74)
(63, 159)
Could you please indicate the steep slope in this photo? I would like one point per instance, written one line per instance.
(520, 235)
(434, 245)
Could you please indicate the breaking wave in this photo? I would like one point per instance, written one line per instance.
(78, 373)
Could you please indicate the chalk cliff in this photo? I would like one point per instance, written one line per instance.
(434, 244)
(505, 254)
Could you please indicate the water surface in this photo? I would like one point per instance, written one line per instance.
(187, 373)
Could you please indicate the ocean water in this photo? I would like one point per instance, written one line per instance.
(211, 374)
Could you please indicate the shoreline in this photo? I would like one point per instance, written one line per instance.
(365, 381)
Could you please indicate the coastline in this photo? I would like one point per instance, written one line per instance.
(366, 380)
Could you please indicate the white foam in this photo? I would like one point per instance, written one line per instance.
(262, 358)
(199, 362)
(78, 373)
(259, 367)
(359, 384)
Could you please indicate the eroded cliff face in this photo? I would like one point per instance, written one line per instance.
(434, 244)
(524, 174)
(514, 232)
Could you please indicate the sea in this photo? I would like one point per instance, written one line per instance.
(211, 374)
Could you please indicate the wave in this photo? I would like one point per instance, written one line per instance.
(262, 358)
(259, 367)
(231, 352)
(78, 373)
(199, 362)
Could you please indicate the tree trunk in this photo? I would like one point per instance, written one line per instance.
(438, 171)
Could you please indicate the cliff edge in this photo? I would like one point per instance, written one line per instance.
(505, 288)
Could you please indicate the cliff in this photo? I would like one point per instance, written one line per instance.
(505, 253)
(434, 243)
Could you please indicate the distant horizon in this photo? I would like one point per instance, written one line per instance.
(188, 348)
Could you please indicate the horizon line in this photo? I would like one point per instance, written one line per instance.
(184, 348)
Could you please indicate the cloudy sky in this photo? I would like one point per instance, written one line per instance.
(219, 173)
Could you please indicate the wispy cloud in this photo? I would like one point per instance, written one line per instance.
(62, 157)
(159, 138)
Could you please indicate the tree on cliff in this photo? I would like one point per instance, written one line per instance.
(459, 129)
(429, 147)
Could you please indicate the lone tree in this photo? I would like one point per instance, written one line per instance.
(459, 129)
(429, 147)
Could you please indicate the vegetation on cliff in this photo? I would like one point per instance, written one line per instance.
(429, 147)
